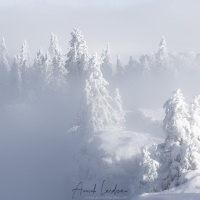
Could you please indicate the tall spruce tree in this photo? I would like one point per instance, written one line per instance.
(15, 79)
(180, 153)
(118, 109)
(106, 66)
(96, 111)
(54, 47)
(119, 68)
(149, 172)
(4, 70)
(195, 119)
(24, 65)
(77, 57)
(59, 72)
(38, 73)
(162, 57)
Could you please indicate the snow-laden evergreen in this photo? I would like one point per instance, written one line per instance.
(195, 119)
(149, 172)
(60, 72)
(77, 57)
(97, 110)
(180, 152)
(54, 47)
(4, 58)
(48, 76)
(119, 68)
(4, 69)
(162, 54)
(144, 62)
(15, 79)
(24, 66)
(39, 71)
(106, 65)
(119, 111)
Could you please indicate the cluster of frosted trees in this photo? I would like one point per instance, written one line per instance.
(22, 77)
(164, 166)
(76, 72)
(161, 61)
(54, 70)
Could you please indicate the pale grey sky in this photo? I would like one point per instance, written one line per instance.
(113, 3)
(131, 27)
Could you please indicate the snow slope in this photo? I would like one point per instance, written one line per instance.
(187, 191)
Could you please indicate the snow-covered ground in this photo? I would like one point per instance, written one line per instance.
(186, 191)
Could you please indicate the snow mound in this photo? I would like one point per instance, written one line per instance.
(188, 191)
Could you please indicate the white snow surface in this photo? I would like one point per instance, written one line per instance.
(187, 191)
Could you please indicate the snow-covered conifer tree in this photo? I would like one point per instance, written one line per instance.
(54, 48)
(4, 68)
(59, 72)
(4, 59)
(149, 172)
(58, 69)
(38, 73)
(15, 79)
(119, 111)
(180, 153)
(162, 57)
(131, 68)
(195, 119)
(131, 61)
(106, 66)
(77, 57)
(48, 73)
(96, 110)
(24, 55)
(145, 63)
(24, 64)
(119, 68)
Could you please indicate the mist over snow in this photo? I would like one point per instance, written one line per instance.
(99, 99)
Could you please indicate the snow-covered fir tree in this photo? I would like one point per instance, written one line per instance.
(15, 79)
(162, 57)
(59, 72)
(145, 63)
(195, 119)
(96, 108)
(58, 66)
(4, 69)
(106, 66)
(77, 57)
(39, 71)
(54, 47)
(119, 111)
(24, 65)
(149, 172)
(119, 68)
(4, 58)
(179, 152)
(48, 73)
(131, 61)
(131, 68)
